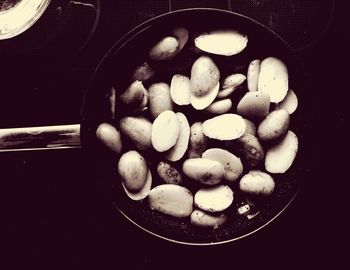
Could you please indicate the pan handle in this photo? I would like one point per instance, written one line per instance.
(40, 138)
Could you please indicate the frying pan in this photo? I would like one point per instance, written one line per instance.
(115, 69)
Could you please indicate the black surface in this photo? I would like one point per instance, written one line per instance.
(54, 214)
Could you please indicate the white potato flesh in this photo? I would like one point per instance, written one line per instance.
(220, 106)
(202, 102)
(110, 137)
(226, 43)
(165, 49)
(206, 171)
(165, 131)
(227, 126)
(280, 157)
(289, 103)
(254, 105)
(180, 89)
(257, 183)
(143, 192)
(232, 164)
(170, 199)
(204, 76)
(214, 199)
(253, 75)
(203, 219)
(181, 34)
(180, 148)
(273, 79)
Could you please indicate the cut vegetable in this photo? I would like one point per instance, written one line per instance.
(202, 102)
(214, 199)
(253, 75)
(289, 103)
(180, 89)
(225, 43)
(143, 192)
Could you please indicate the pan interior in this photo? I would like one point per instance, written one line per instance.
(116, 69)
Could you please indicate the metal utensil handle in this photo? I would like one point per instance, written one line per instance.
(40, 138)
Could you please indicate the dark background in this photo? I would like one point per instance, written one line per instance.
(53, 211)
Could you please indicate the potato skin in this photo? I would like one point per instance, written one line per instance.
(159, 99)
(251, 149)
(198, 141)
(165, 49)
(110, 137)
(138, 130)
(257, 183)
(274, 125)
(168, 173)
(132, 168)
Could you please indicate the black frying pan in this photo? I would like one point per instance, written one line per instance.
(116, 69)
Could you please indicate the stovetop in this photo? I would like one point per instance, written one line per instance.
(53, 214)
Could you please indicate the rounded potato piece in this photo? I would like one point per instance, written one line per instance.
(169, 173)
(204, 170)
(251, 149)
(143, 192)
(134, 94)
(224, 42)
(170, 199)
(220, 106)
(254, 105)
(230, 84)
(232, 165)
(280, 157)
(253, 75)
(165, 49)
(138, 130)
(274, 125)
(257, 183)
(165, 131)
(250, 127)
(289, 103)
(214, 199)
(198, 141)
(203, 219)
(273, 79)
(132, 168)
(227, 126)
(181, 34)
(204, 76)
(180, 89)
(159, 99)
(143, 72)
(110, 137)
(180, 148)
(202, 102)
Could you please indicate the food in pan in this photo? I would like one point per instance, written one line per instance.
(199, 137)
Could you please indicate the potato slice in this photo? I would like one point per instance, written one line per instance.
(214, 199)
(280, 157)
(143, 192)
(254, 105)
(273, 79)
(227, 43)
(220, 106)
(203, 219)
(289, 103)
(165, 131)
(173, 200)
(232, 165)
(204, 76)
(204, 170)
(165, 49)
(180, 148)
(227, 126)
(257, 183)
(180, 90)
(110, 137)
(202, 102)
(230, 84)
(253, 75)
(138, 130)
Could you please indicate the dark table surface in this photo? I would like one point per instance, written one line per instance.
(54, 214)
